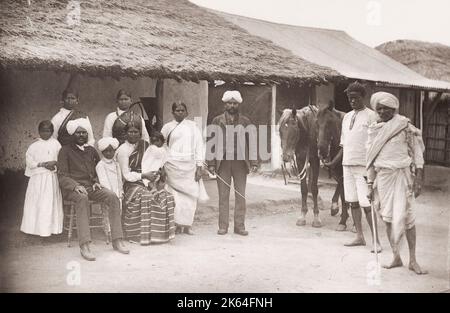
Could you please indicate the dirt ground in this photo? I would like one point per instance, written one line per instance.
(277, 256)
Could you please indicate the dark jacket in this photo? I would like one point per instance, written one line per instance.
(77, 167)
(251, 158)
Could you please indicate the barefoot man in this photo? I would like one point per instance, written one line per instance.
(353, 142)
(395, 171)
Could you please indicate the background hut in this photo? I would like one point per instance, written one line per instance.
(432, 60)
(161, 50)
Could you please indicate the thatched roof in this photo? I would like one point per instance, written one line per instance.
(156, 38)
(337, 50)
(432, 60)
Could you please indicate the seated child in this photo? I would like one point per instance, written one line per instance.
(43, 211)
(154, 159)
(108, 171)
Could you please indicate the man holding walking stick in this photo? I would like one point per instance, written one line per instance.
(395, 171)
(234, 157)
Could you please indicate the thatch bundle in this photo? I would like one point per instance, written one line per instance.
(431, 60)
(157, 38)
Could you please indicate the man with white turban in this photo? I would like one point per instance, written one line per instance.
(79, 183)
(68, 113)
(235, 156)
(395, 171)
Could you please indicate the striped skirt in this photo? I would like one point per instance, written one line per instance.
(149, 216)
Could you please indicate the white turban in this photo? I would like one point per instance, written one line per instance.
(74, 124)
(105, 142)
(232, 95)
(384, 98)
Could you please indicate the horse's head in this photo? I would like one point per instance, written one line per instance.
(289, 133)
(327, 130)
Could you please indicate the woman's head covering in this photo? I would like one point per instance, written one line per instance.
(74, 124)
(105, 142)
(384, 98)
(232, 95)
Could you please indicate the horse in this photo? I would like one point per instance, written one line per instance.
(329, 124)
(298, 134)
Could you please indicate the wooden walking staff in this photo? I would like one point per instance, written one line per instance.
(375, 235)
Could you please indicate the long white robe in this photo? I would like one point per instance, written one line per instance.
(185, 154)
(42, 212)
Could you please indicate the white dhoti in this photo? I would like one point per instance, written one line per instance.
(395, 196)
(185, 190)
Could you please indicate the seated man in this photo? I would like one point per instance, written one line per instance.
(79, 183)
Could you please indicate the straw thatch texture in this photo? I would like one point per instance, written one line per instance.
(432, 60)
(157, 38)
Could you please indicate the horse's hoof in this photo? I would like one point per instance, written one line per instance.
(341, 227)
(334, 209)
(317, 223)
(301, 221)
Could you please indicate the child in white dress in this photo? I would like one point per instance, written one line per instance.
(108, 170)
(154, 159)
(43, 213)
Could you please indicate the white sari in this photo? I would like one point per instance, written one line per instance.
(186, 152)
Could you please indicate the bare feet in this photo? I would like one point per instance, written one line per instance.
(396, 262)
(356, 242)
(354, 229)
(414, 266)
(341, 227)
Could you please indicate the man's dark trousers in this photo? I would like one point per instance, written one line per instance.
(82, 209)
(238, 171)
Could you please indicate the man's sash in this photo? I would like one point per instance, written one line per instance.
(391, 129)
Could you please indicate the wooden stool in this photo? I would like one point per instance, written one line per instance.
(70, 219)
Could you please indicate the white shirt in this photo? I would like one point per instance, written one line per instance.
(109, 123)
(109, 176)
(38, 152)
(123, 157)
(59, 118)
(353, 141)
(186, 141)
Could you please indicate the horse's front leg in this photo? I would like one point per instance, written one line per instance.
(315, 166)
(344, 215)
(335, 201)
(304, 190)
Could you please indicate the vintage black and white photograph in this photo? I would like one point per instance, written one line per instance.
(224, 147)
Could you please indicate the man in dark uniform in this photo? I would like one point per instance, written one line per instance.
(234, 157)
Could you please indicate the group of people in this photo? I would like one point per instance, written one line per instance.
(382, 158)
(150, 183)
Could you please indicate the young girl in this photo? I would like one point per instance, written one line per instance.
(154, 159)
(42, 212)
(108, 170)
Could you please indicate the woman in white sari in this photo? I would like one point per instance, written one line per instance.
(184, 166)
